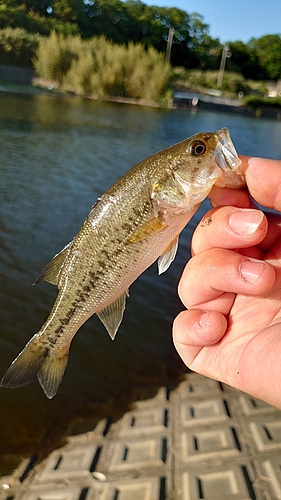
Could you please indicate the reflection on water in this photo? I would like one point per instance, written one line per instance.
(58, 155)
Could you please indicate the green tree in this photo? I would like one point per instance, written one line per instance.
(268, 51)
(104, 17)
(244, 59)
(206, 50)
(133, 20)
(120, 21)
(17, 46)
(65, 10)
(25, 17)
(38, 6)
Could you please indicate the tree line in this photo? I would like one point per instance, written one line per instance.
(132, 21)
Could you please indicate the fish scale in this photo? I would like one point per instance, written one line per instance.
(137, 221)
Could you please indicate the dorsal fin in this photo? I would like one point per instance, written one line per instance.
(52, 270)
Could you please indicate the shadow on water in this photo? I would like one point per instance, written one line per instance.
(58, 156)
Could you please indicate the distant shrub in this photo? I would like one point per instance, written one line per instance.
(232, 82)
(200, 80)
(97, 66)
(17, 46)
(255, 102)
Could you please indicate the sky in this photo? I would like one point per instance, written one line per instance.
(232, 20)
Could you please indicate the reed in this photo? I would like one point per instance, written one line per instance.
(99, 67)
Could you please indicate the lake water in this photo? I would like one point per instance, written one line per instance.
(58, 155)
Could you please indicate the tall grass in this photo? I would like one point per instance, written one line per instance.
(97, 66)
(55, 55)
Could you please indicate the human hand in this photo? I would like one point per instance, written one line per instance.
(232, 288)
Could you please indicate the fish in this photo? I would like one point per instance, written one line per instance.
(135, 222)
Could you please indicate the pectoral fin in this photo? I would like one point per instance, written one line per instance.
(168, 256)
(146, 230)
(52, 270)
(111, 316)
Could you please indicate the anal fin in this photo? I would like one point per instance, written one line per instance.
(165, 260)
(112, 315)
(51, 373)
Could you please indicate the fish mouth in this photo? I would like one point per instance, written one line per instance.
(225, 153)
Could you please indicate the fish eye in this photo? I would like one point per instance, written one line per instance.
(198, 148)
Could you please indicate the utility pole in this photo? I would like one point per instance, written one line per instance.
(169, 44)
(225, 54)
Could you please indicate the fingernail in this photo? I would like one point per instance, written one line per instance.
(245, 221)
(251, 269)
(204, 320)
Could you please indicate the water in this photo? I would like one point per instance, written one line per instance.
(58, 155)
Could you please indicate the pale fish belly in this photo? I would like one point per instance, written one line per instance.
(102, 286)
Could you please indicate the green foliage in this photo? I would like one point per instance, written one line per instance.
(97, 66)
(17, 46)
(244, 59)
(120, 21)
(125, 21)
(33, 21)
(11, 17)
(268, 51)
(232, 82)
(200, 81)
(65, 10)
(256, 102)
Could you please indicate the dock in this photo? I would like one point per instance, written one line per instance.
(202, 440)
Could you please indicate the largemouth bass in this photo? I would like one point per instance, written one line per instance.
(137, 221)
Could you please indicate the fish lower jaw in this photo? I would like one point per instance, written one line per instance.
(169, 211)
(234, 180)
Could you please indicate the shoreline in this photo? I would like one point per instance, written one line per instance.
(32, 90)
(193, 101)
(181, 100)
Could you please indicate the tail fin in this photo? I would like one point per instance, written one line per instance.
(41, 359)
